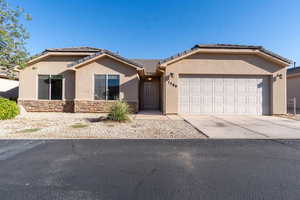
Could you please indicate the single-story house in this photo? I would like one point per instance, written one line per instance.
(206, 79)
(293, 84)
(8, 86)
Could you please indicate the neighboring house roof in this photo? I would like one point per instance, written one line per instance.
(225, 46)
(101, 53)
(150, 65)
(293, 71)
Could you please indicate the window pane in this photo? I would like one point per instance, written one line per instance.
(57, 76)
(43, 87)
(56, 88)
(100, 87)
(113, 87)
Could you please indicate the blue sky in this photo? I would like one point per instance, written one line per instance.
(161, 28)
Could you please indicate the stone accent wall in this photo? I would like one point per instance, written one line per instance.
(71, 106)
(83, 106)
(47, 106)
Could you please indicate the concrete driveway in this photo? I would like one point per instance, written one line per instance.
(251, 127)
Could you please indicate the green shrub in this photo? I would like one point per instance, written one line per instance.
(8, 109)
(119, 112)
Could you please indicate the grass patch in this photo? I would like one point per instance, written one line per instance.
(29, 130)
(79, 125)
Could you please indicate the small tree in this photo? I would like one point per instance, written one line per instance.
(13, 36)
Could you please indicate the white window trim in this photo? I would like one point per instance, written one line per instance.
(106, 86)
(63, 88)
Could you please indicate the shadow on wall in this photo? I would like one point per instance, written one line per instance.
(69, 76)
(250, 59)
(11, 94)
(68, 107)
(130, 90)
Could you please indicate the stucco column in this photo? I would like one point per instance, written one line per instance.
(172, 85)
(278, 92)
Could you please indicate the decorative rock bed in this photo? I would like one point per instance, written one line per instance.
(78, 125)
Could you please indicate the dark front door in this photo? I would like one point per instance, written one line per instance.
(150, 95)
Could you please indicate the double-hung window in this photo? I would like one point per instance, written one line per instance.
(50, 87)
(107, 87)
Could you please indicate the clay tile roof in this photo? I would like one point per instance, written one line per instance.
(227, 46)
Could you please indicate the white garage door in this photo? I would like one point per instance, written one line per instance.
(203, 94)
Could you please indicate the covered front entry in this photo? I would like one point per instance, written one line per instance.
(150, 93)
(224, 94)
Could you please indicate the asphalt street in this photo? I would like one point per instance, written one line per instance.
(150, 169)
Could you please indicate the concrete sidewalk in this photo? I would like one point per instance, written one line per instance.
(245, 127)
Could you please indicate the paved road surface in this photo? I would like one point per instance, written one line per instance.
(149, 169)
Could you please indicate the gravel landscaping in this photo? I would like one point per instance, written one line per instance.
(78, 125)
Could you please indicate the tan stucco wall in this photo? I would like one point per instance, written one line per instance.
(293, 89)
(53, 65)
(226, 64)
(129, 79)
(279, 93)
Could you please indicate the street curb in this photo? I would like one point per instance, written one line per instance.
(195, 127)
(25, 139)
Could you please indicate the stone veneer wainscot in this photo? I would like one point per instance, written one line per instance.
(81, 106)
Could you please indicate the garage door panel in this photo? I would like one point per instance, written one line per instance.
(252, 105)
(224, 94)
(184, 97)
(195, 104)
(229, 97)
(218, 95)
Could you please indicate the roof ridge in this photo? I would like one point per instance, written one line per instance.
(74, 48)
(146, 59)
(229, 45)
(104, 51)
(224, 46)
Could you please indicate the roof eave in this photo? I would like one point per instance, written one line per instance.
(261, 52)
(47, 54)
(76, 66)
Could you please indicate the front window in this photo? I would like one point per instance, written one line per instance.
(50, 87)
(107, 87)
